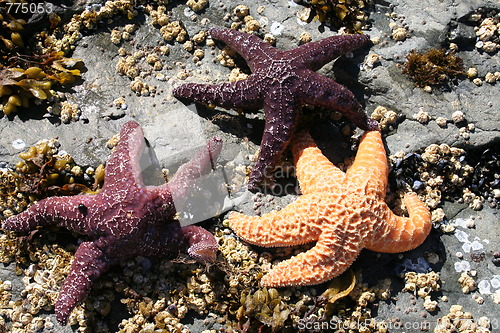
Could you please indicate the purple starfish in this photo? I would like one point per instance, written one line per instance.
(281, 82)
(125, 219)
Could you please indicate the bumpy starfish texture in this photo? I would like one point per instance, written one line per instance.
(343, 212)
(125, 219)
(281, 82)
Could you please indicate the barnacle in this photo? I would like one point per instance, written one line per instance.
(349, 14)
(435, 67)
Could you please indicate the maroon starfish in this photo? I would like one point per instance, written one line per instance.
(125, 219)
(281, 82)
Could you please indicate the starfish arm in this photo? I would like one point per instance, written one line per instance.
(297, 223)
(239, 94)
(68, 212)
(398, 234)
(370, 166)
(322, 91)
(282, 113)
(122, 167)
(88, 265)
(201, 164)
(202, 245)
(334, 252)
(253, 49)
(315, 55)
(314, 171)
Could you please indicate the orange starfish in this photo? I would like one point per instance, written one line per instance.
(343, 212)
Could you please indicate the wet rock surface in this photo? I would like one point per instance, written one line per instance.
(175, 130)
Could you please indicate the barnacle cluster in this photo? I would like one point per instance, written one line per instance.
(400, 29)
(436, 171)
(422, 284)
(141, 88)
(460, 321)
(12, 200)
(160, 297)
(243, 21)
(66, 110)
(170, 30)
(64, 37)
(444, 172)
(166, 297)
(348, 14)
(467, 282)
(236, 75)
(117, 35)
(126, 65)
(422, 116)
(197, 5)
(399, 33)
(435, 67)
(226, 57)
(142, 63)
(487, 28)
(250, 305)
(43, 267)
(61, 40)
(386, 118)
(169, 296)
(490, 77)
